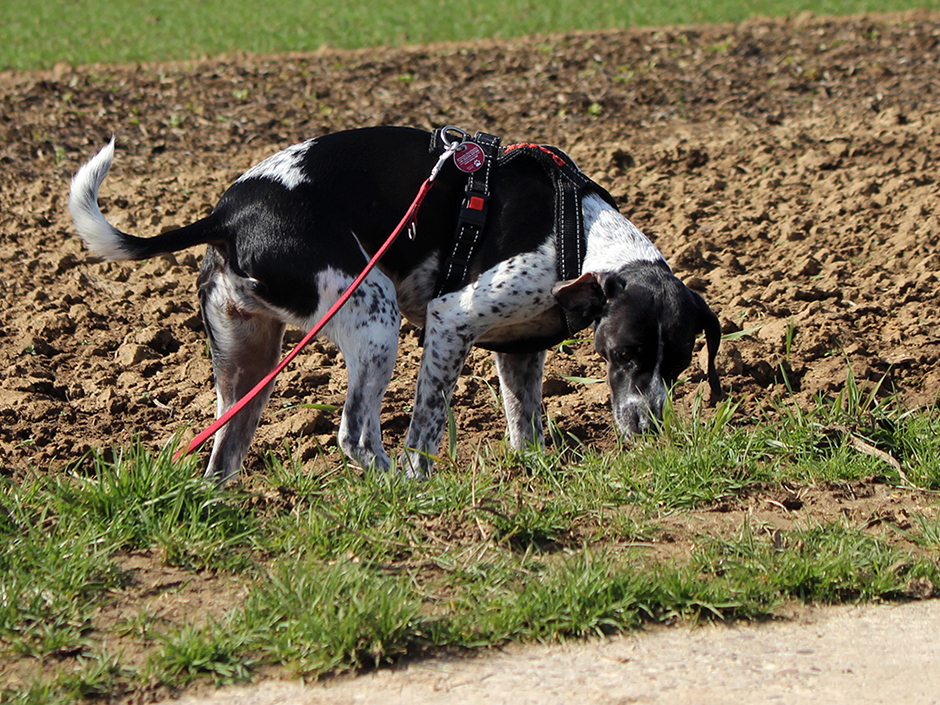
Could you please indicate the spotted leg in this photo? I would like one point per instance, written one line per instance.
(520, 381)
(454, 322)
(446, 344)
(366, 332)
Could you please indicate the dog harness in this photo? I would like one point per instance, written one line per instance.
(570, 186)
(472, 218)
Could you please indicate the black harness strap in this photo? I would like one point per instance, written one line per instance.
(570, 186)
(472, 219)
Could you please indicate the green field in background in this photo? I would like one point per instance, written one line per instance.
(39, 34)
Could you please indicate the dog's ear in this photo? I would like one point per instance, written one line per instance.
(582, 299)
(612, 285)
(708, 323)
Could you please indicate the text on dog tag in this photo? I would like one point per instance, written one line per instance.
(470, 158)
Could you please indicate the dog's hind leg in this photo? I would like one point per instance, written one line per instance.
(366, 332)
(245, 346)
(520, 381)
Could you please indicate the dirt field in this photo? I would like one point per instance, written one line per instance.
(786, 169)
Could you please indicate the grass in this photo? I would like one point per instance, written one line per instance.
(32, 36)
(342, 572)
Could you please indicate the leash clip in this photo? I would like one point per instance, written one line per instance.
(450, 149)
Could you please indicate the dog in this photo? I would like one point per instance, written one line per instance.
(289, 236)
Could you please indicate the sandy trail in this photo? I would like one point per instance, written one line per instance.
(852, 654)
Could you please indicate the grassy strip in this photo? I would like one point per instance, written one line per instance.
(32, 34)
(344, 572)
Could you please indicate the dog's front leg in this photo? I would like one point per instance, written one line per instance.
(513, 291)
(520, 381)
(447, 343)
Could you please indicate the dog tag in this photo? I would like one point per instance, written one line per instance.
(469, 158)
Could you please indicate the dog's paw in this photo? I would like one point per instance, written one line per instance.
(366, 458)
(414, 465)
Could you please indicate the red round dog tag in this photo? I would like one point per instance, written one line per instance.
(470, 157)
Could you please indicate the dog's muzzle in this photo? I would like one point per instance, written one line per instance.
(639, 412)
(635, 417)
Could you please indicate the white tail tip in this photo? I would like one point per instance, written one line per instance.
(99, 235)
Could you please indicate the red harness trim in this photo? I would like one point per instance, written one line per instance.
(530, 145)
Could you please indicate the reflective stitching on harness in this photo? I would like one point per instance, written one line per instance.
(471, 221)
(560, 240)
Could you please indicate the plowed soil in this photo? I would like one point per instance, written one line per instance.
(786, 169)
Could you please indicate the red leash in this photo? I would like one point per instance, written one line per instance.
(451, 148)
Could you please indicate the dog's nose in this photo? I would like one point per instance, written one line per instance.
(634, 418)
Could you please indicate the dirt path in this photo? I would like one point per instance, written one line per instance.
(858, 655)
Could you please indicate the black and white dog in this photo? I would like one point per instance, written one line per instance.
(291, 234)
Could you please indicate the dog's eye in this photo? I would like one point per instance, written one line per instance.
(628, 355)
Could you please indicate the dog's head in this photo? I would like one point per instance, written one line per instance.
(645, 324)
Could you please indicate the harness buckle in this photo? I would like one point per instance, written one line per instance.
(474, 207)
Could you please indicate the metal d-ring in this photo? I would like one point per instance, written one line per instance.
(464, 136)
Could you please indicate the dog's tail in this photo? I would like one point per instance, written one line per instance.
(109, 243)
